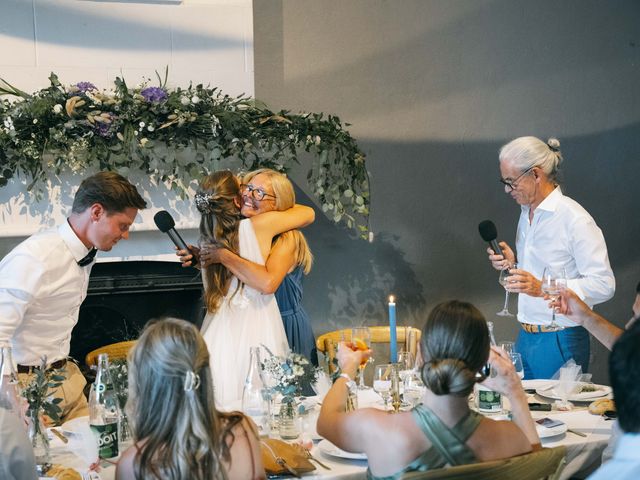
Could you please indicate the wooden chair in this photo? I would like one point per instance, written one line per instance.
(327, 342)
(114, 350)
(546, 463)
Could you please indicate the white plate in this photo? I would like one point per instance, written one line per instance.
(545, 432)
(550, 392)
(329, 448)
(72, 427)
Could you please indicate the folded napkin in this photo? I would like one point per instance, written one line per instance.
(570, 379)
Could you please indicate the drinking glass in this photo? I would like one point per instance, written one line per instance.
(508, 347)
(504, 281)
(554, 280)
(382, 382)
(361, 340)
(406, 363)
(516, 358)
(414, 388)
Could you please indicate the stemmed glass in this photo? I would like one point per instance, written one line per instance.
(504, 281)
(554, 280)
(414, 388)
(406, 362)
(382, 382)
(361, 340)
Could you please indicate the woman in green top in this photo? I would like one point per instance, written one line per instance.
(442, 430)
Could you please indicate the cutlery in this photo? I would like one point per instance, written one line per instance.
(575, 432)
(60, 435)
(311, 457)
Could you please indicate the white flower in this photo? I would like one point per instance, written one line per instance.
(8, 123)
(184, 100)
(195, 99)
(150, 128)
(141, 124)
(317, 140)
(57, 108)
(35, 120)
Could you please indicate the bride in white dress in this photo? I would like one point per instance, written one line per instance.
(238, 316)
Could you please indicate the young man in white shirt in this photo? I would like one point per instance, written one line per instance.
(44, 280)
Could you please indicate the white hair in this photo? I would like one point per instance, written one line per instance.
(527, 152)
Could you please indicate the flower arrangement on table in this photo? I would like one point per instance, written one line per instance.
(175, 135)
(120, 377)
(287, 375)
(36, 392)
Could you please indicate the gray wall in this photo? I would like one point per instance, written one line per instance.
(433, 89)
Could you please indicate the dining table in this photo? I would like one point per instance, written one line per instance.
(583, 434)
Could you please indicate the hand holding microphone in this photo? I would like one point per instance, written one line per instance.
(502, 255)
(165, 223)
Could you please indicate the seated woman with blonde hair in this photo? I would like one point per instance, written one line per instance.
(442, 430)
(177, 431)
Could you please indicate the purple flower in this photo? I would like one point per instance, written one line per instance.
(105, 129)
(85, 86)
(154, 94)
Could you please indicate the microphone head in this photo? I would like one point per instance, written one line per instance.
(164, 221)
(488, 230)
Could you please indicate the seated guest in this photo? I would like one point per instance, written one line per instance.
(442, 430)
(625, 380)
(178, 432)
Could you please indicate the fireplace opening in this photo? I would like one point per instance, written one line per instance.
(123, 296)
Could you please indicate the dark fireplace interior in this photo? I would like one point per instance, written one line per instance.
(123, 296)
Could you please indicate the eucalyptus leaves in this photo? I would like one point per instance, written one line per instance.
(176, 136)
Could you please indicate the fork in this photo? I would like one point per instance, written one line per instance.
(311, 457)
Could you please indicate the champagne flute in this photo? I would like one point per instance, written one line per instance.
(382, 382)
(554, 280)
(504, 281)
(361, 340)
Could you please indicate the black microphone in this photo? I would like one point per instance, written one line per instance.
(489, 233)
(164, 222)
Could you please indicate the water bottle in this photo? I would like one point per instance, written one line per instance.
(254, 403)
(9, 389)
(487, 400)
(104, 411)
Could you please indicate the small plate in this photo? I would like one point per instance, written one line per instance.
(546, 432)
(329, 448)
(600, 391)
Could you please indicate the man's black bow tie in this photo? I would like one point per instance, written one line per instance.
(88, 258)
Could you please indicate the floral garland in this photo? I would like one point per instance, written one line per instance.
(176, 136)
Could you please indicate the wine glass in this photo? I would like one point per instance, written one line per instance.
(554, 280)
(382, 382)
(504, 281)
(361, 340)
(516, 359)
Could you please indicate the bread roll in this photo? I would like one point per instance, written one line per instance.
(601, 405)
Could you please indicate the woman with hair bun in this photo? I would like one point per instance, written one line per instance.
(553, 231)
(442, 430)
(178, 432)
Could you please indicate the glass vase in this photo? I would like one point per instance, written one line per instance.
(39, 441)
(288, 425)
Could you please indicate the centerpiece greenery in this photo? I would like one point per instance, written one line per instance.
(175, 136)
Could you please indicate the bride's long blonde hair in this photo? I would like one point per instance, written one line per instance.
(285, 199)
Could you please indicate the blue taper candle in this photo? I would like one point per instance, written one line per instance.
(393, 341)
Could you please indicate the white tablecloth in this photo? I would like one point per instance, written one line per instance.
(583, 453)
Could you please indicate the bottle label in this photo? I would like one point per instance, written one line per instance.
(107, 437)
(489, 401)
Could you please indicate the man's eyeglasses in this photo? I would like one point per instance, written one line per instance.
(513, 184)
(256, 193)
